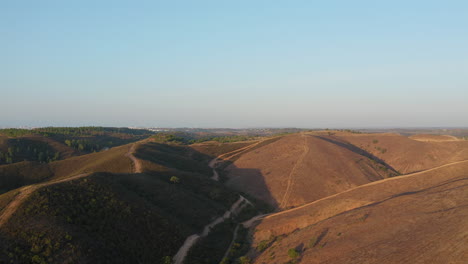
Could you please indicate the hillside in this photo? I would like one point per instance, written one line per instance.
(301, 168)
(337, 195)
(94, 209)
(23, 173)
(417, 218)
(405, 154)
(57, 143)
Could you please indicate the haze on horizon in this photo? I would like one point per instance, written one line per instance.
(234, 64)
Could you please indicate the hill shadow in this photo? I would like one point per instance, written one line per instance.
(357, 150)
(251, 183)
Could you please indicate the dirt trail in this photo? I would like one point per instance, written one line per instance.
(285, 199)
(137, 167)
(214, 162)
(250, 222)
(25, 192)
(191, 240)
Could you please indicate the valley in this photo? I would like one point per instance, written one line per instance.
(307, 197)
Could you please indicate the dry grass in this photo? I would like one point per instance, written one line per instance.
(418, 218)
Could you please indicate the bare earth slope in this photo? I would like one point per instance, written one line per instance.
(301, 168)
(407, 155)
(418, 218)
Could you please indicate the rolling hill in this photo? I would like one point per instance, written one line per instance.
(308, 197)
(301, 168)
(407, 155)
(417, 218)
(107, 207)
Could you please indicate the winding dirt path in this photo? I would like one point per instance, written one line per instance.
(191, 240)
(251, 221)
(225, 156)
(285, 199)
(25, 192)
(137, 167)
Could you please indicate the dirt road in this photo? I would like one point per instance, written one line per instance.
(285, 199)
(191, 240)
(250, 222)
(214, 162)
(137, 168)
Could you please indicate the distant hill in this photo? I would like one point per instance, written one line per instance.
(56, 143)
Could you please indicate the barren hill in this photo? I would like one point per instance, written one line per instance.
(405, 154)
(419, 218)
(301, 168)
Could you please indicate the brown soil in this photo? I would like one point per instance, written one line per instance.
(137, 166)
(301, 168)
(405, 154)
(417, 218)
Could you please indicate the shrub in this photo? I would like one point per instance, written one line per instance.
(293, 253)
(262, 246)
(244, 260)
(312, 242)
(166, 260)
(174, 179)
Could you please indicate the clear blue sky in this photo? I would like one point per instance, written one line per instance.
(234, 63)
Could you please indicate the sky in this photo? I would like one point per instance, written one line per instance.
(310, 64)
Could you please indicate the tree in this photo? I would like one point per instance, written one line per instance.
(174, 179)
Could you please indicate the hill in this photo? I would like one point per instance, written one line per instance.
(23, 173)
(57, 143)
(300, 168)
(407, 155)
(418, 218)
(107, 207)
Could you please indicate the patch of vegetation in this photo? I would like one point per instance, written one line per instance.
(49, 143)
(263, 245)
(244, 260)
(240, 247)
(375, 141)
(22, 173)
(312, 242)
(174, 179)
(293, 253)
(106, 218)
(15, 132)
(16, 150)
